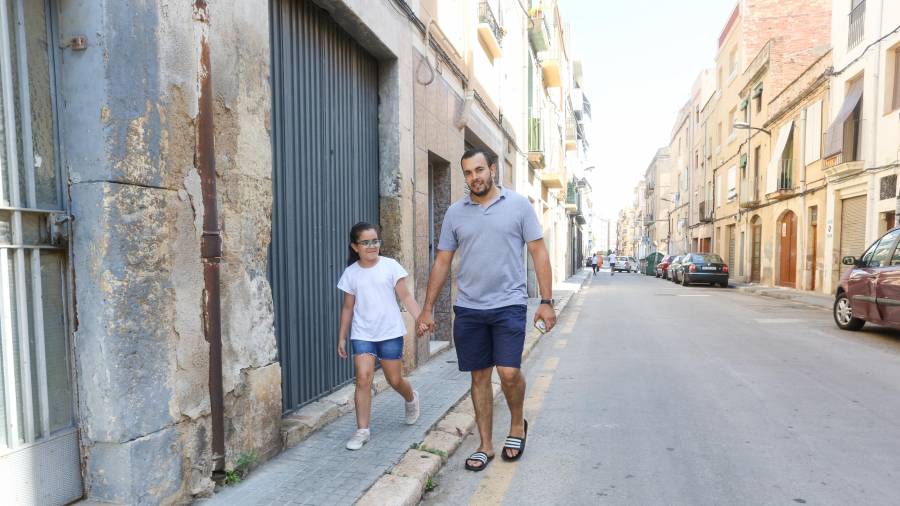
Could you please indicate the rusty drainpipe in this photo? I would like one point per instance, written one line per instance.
(211, 241)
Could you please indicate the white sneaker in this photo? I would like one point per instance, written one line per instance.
(359, 438)
(412, 409)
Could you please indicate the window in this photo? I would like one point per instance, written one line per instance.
(732, 63)
(856, 29)
(731, 131)
(895, 99)
(878, 255)
(732, 183)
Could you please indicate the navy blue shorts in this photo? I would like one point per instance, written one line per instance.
(488, 337)
(389, 349)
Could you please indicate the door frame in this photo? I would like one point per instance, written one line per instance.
(791, 252)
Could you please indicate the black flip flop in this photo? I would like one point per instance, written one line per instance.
(515, 443)
(482, 457)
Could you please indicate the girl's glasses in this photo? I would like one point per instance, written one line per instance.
(369, 242)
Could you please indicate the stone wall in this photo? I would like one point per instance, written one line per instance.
(141, 357)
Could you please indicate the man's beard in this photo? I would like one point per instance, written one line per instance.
(488, 186)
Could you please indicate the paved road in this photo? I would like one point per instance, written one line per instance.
(651, 393)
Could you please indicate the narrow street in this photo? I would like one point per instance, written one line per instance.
(653, 393)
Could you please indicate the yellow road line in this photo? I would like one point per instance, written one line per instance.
(551, 364)
(498, 477)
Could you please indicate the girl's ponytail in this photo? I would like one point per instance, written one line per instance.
(355, 232)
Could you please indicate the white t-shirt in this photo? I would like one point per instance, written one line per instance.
(376, 315)
(612, 259)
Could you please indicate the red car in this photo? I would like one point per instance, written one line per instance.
(870, 290)
(663, 267)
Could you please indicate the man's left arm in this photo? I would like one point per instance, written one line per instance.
(541, 260)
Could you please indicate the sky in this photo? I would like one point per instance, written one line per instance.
(640, 60)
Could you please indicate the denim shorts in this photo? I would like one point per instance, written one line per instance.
(390, 349)
(488, 337)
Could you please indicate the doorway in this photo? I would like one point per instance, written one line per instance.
(438, 202)
(813, 245)
(755, 249)
(324, 136)
(787, 245)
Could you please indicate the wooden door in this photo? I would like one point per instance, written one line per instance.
(788, 250)
(813, 237)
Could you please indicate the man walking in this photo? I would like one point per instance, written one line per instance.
(595, 263)
(612, 264)
(490, 227)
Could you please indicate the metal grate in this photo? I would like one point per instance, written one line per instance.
(889, 187)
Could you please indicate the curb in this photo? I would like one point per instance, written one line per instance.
(405, 483)
(782, 294)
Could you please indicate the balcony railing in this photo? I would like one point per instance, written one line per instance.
(749, 193)
(535, 137)
(856, 30)
(486, 16)
(539, 31)
(705, 212)
(786, 175)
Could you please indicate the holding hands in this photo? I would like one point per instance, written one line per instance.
(425, 322)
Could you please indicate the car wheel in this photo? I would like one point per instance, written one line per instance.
(843, 314)
(724, 284)
(684, 281)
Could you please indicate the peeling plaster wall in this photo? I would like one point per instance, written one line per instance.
(129, 105)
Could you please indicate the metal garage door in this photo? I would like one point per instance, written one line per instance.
(853, 227)
(325, 179)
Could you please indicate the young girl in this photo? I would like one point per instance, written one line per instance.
(371, 284)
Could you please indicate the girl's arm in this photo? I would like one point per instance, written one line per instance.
(406, 298)
(346, 317)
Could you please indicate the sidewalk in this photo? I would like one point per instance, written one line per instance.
(779, 292)
(319, 470)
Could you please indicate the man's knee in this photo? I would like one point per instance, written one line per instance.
(482, 376)
(509, 375)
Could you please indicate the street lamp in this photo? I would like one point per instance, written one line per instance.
(743, 125)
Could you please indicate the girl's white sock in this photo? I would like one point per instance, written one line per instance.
(366, 430)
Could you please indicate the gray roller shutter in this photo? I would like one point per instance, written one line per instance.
(325, 179)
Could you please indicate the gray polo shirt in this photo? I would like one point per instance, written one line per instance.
(491, 245)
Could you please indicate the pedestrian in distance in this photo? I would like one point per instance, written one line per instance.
(612, 264)
(595, 259)
(489, 228)
(599, 258)
(372, 284)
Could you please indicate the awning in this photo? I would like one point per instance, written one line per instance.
(784, 133)
(834, 139)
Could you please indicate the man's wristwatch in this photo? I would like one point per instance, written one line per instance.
(549, 302)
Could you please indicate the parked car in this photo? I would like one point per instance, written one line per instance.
(623, 264)
(670, 272)
(870, 290)
(702, 268)
(663, 267)
(635, 265)
(677, 267)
